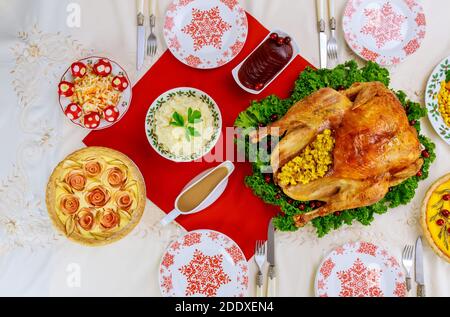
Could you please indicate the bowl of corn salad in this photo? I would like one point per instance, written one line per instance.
(437, 99)
(444, 101)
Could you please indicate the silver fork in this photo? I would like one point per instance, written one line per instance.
(152, 43)
(260, 259)
(332, 47)
(407, 260)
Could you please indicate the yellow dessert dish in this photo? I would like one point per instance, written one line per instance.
(96, 196)
(435, 217)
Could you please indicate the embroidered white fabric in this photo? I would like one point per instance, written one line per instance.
(36, 45)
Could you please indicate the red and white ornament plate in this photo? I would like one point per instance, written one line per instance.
(203, 263)
(360, 270)
(384, 31)
(205, 34)
(119, 110)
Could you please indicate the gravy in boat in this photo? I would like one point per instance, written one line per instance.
(192, 198)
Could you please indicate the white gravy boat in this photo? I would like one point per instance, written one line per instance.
(209, 200)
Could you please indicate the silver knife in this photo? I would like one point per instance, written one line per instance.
(420, 279)
(140, 39)
(272, 277)
(323, 39)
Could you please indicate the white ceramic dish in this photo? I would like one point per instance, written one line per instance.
(360, 270)
(384, 31)
(203, 263)
(205, 34)
(235, 71)
(431, 100)
(150, 124)
(212, 197)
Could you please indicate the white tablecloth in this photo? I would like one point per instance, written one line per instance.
(36, 44)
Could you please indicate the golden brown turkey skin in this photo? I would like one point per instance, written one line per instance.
(375, 137)
(322, 110)
(376, 148)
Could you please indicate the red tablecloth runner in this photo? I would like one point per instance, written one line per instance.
(238, 213)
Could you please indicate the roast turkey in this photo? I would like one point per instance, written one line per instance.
(375, 146)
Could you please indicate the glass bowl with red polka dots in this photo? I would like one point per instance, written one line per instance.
(90, 115)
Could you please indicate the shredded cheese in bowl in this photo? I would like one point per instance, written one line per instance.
(95, 93)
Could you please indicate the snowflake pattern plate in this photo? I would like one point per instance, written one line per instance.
(205, 34)
(384, 31)
(431, 99)
(360, 270)
(203, 263)
(122, 105)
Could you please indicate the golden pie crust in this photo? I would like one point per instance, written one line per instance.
(96, 208)
(424, 221)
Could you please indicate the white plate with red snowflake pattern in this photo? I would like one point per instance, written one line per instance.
(360, 269)
(205, 34)
(384, 31)
(203, 263)
(114, 83)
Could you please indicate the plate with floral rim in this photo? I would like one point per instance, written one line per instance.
(152, 126)
(360, 269)
(434, 86)
(203, 263)
(205, 34)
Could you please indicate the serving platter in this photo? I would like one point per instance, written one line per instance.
(384, 31)
(205, 34)
(270, 112)
(431, 101)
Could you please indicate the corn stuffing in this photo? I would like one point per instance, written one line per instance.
(313, 163)
(444, 102)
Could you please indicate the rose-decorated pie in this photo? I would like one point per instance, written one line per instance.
(96, 196)
(436, 217)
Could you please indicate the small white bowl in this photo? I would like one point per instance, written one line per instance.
(296, 52)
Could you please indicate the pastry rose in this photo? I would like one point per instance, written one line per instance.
(85, 219)
(109, 219)
(116, 177)
(76, 180)
(93, 168)
(124, 200)
(69, 204)
(98, 196)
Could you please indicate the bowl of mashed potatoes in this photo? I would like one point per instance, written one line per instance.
(183, 124)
